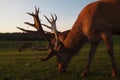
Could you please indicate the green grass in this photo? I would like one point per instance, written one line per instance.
(24, 66)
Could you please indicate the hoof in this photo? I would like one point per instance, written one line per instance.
(84, 74)
(114, 73)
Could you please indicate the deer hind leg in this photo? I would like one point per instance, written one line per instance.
(107, 38)
(91, 54)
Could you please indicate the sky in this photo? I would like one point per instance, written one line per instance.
(13, 13)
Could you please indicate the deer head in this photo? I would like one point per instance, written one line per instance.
(58, 47)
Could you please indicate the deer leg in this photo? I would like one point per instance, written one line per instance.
(107, 38)
(91, 54)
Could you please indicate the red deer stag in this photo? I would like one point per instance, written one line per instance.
(97, 21)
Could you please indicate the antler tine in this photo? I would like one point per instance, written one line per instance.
(31, 14)
(46, 26)
(36, 11)
(47, 19)
(28, 31)
(52, 18)
(49, 56)
(55, 17)
(33, 25)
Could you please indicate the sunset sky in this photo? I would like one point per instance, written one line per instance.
(13, 12)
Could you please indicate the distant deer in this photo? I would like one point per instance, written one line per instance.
(98, 21)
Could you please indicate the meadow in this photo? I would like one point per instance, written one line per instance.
(25, 66)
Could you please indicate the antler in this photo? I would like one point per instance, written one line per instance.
(28, 31)
(53, 27)
(37, 23)
(50, 55)
(52, 21)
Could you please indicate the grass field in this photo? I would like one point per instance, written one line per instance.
(24, 66)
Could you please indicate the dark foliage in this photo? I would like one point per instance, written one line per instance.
(19, 37)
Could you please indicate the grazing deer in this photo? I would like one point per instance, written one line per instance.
(97, 21)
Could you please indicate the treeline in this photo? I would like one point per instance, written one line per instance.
(19, 37)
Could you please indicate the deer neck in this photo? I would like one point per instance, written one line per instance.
(75, 39)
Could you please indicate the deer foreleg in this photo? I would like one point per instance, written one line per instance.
(91, 54)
